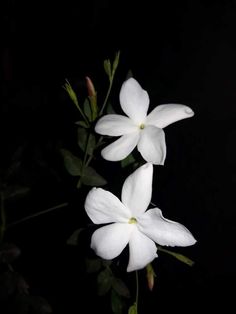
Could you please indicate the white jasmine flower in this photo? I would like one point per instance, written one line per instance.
(138, 128)
(130, 223)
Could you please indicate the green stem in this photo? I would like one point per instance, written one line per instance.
(91, 157)
(85, 163)
(68, 88)
(3, 217)
(137, 290)
(37, 214)
(81, 112)
(86, 153)
(107, 96)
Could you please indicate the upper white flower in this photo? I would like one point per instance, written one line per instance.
(131, 223)
(138, 128)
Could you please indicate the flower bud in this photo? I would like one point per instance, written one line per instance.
(150, 277)
(90, 87)
(92, 95)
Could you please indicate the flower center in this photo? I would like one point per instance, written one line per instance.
(132, 220)
(142, 126)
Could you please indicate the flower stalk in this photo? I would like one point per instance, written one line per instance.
(111, 74)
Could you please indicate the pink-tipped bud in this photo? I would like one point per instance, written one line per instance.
(150, 280)
(150, 277)
(90, 87)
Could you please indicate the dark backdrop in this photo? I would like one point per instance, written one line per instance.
(179, 51)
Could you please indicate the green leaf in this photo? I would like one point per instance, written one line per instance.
(82, 123)
(73, 239)
(104, 281)
(92, 178)
(79, 183)
(82, 138)
(91, 144)
(87, 109)
(71, 92)
(127, 161)
(107, 68)
(120, 287)
(116, 62)
(74, 98)
(85, 138)
(94, 107)
(182, 258)
(110, 109)
(106, 263)
(93, 265)
(117, 304)
(133, 309)
(72, 163)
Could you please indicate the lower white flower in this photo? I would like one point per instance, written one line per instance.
(131, 223)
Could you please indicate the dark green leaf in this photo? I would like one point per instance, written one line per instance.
(91, 144)
(104, 281)
(107, 68)
(117, 304)
(87, 109)
(127, 161)
(106, 263)
(79, 183)
(82, 123)
(82, 138)
(120, 287)
(92, 178)
(71, 92)
(93, 265)
(110, 109)
(85, 138)
(133, 309)
(72, 163)
(180, 257)
(73, 239)
(115, 62)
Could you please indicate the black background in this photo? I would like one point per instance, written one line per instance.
(180, 52)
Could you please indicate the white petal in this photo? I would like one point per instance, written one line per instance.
(137, 190)
(121, 148)
(115, 125)
(152, 145)
(164, 115)
(142, 251)
(134, 100)
(164, 231)
(104, 207)
(109, 241)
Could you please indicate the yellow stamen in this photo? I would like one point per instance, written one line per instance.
(142, 126)
(132, 220)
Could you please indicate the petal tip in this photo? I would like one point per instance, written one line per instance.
(148, 165)
(106, 156)
(189, 240)
(189, 111)
(194, 241)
